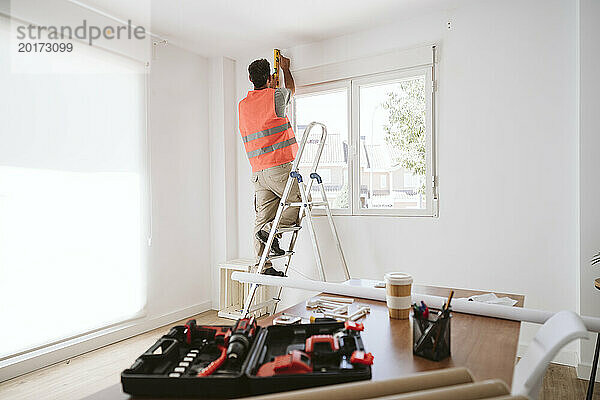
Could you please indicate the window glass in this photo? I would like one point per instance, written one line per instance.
(393, 144)
(330, 108)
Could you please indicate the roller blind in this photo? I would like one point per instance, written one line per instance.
(356, 67)
(72, 198)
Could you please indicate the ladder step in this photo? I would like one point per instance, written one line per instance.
(290, 229)
(311, 203)
(287, 254)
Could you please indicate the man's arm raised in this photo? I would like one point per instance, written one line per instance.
(284, 63)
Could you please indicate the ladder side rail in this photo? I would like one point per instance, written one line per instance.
(311, 230)
(286, 269)
(291, 249)
(249, 299)
(296, 163)
(317, 159)
(334, 230)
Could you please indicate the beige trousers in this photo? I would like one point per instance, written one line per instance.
(268, 189)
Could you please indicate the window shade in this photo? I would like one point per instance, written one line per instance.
(72, 198)
(374, 64)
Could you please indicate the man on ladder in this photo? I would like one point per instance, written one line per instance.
(271, 148)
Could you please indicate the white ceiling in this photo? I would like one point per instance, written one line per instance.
(229, 27)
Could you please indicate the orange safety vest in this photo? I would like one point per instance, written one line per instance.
(269, 139)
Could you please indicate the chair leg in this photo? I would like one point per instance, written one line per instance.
(590, 391)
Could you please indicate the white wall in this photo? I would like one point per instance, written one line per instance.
(589, 164)
(178, 118)
(223, 164)
(507, 146)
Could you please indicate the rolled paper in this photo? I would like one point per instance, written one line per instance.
(461, 305)
(362, 292)
(451, 377)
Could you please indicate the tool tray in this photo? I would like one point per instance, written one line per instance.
(278, 340)
(149, 374)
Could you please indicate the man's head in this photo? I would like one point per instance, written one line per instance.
(259, 72)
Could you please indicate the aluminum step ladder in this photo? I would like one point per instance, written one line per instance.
(306, 206)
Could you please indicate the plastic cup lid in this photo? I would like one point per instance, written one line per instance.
(398, 278)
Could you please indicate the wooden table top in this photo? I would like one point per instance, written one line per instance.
(486, 346)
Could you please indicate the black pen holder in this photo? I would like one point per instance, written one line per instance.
(431, 336)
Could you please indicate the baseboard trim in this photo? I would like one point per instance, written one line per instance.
(564, 357)
(56, 353)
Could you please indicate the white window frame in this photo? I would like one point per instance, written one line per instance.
(381, 68)
(353, 92)
(389, 77)
(328, 87)
(383, 181)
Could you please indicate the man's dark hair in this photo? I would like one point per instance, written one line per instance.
(259, 71)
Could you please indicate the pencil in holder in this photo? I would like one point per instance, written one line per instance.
(431, 336)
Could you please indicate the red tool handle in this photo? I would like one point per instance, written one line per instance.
(190, 327)
(360, 357)
(354, 326)
(213, 366)
(329, 339)
(295, 362)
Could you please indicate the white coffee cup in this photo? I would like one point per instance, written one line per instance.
(397, 294)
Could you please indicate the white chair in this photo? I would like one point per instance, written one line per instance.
(560, 329)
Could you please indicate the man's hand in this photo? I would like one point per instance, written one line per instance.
(284, 63)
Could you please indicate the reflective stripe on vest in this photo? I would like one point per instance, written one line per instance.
(268, 139)
(273, 147)
(267, 132)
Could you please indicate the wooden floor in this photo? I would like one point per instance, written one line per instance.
(561, 382)
(86, 374)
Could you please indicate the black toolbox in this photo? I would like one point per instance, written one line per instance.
(276, 361)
